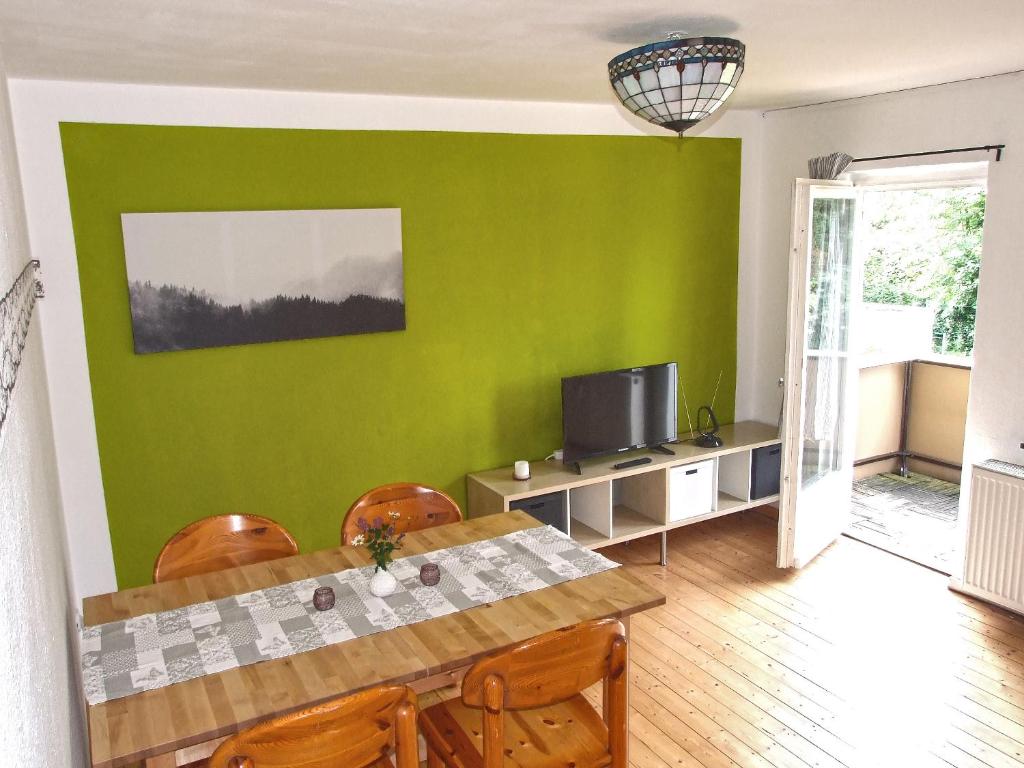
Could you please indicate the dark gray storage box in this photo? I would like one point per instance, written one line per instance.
(765, 471)
(549, 508)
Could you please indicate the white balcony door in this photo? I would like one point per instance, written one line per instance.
(820, 416)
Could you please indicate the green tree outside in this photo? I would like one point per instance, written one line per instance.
(924, 249)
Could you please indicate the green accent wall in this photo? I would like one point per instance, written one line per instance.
(527, 258)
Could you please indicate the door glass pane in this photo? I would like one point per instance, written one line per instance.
(830, 276)
(830, 273)
(824, 397)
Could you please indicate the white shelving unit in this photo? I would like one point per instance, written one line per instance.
(605, 506)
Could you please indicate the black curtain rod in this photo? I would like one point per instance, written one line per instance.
(987, 148)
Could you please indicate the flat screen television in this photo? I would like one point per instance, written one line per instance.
(615, 411)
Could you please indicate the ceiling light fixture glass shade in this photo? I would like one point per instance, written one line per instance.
(678, 82)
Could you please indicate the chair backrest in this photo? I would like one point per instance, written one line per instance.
(354, 731)
(219, 542)
(420, 506)
(548, 670)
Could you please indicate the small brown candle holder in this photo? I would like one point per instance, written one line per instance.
(430, 574)
(323, 598)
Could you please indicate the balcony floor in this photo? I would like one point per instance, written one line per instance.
(914, 517)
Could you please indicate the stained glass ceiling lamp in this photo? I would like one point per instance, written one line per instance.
(678, 82)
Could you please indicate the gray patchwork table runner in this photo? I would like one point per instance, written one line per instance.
(159, 649)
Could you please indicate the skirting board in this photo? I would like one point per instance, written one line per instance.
(989, 597)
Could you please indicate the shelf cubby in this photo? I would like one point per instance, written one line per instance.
(590, 508)
(734, 476)
(645, 493)
(628, 523)
(606, 505)
(638, 505)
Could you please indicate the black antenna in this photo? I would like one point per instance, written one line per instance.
(686, 407)
(717, 384)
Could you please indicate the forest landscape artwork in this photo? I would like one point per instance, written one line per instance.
(215, 279)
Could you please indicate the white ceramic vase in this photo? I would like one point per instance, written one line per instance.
(382, 583)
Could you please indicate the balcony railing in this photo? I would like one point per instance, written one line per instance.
(911, 416)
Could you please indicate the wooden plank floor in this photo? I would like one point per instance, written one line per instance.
(860, 659)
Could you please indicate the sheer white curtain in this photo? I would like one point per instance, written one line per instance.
(828, 330)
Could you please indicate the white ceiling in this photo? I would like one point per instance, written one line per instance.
(798, 51)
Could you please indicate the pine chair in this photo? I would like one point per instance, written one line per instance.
(219, 542)
(420, 506)
(357, 731)
(525, 705)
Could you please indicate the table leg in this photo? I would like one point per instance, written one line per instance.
(161, 761)
(197, 752)
(451, 679)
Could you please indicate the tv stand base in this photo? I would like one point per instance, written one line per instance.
(602, 506)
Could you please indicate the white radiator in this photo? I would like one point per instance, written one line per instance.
(994, 555)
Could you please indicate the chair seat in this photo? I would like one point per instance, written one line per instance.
(559, 736)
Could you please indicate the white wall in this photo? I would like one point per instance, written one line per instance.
(40, 709)
(988, 111)
(40, 105)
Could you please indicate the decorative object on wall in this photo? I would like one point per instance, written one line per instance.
(245, 277)
(678, 82)
(15, 318)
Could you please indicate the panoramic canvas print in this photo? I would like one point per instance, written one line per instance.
(245, 277)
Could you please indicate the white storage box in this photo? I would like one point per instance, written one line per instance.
(691, 490)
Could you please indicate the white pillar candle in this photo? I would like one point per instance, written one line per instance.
(522, 470)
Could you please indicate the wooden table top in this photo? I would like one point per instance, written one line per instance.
(155, 722)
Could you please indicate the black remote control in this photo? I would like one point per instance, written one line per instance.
(632, 463)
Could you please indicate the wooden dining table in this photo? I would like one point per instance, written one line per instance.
(184, 722)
